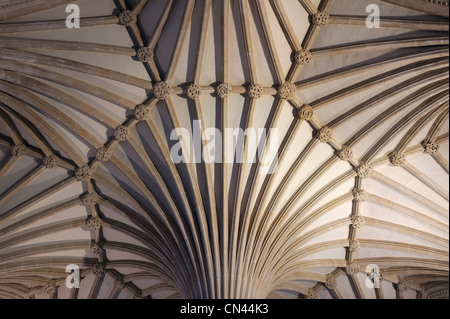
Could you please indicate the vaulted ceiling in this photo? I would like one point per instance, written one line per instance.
(362, 137)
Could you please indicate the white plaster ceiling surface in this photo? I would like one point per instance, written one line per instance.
(87, 178)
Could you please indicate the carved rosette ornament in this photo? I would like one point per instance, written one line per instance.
(325, 134)
(18, 150)
(439, 2)
(93, 223)
(83, 174)
(306, 112)
(89, 199)
(430, 147)
(96, 248)
(397, 159)
(321, 18)
(127, 18)
(402, 286)
(365, 171)
(193, 91)
(286, 91)
(358, 221)
(103, 154)
(360, 195)
(331, 282)
(352, 268)
(141, 112)
(354, 245)
(121, 133)
(255, 91)
(99, 269)
(224, 90)
(302, 57)
(50, 287)
(144, 54)
(51, 161)
(345, 154)
(161, 90)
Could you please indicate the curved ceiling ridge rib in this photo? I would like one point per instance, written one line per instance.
(90, 119)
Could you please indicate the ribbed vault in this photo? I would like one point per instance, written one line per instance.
(87, 177)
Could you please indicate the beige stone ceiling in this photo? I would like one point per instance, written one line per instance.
(86, 176)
